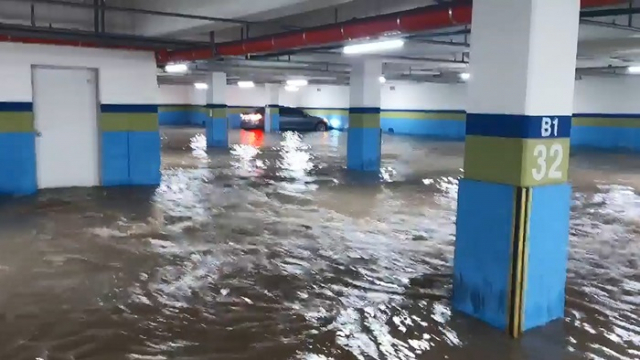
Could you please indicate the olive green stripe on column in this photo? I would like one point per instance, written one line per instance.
(515, 161)
(218, 113)
(190, 108)
(364, 121)
(16, 122)
(129, 122)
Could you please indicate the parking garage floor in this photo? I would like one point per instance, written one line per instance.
(271, 250)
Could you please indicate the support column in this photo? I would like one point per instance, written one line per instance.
(364, 134)
(217, 124)
(272, 109)
(513, 203)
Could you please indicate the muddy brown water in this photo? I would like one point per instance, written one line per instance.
(271, 250)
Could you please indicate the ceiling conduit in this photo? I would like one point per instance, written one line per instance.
(405, 22)
(411, 21)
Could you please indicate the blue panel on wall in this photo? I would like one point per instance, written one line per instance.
(198, 118)
(115, 158)
(482, 260)
(548, 245)
(234, 121)
(174, 118)
(144, 157)
(449, 129)
(18, 164)
(603, 137)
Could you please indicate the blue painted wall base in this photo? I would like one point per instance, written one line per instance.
(446, 129)
(483, 253)
(548, 253)
(18, 164)
(115, 158)
(217, 132)
(173, 118)
(130, 158)
(144, 158)
(363, 149)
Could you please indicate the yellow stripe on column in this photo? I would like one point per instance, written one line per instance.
(522, 199)
(364, 121)
(218, 113)
(129, 122)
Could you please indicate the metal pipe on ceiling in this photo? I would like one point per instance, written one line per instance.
(410, 21)
(139, 11)
(80, 38)
(609, 12)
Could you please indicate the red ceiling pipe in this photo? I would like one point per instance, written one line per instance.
(411, 21)
(426, 18)
(416, 20)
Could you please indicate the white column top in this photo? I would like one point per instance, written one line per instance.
(523, 56)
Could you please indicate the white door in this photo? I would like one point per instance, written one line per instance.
(66, 111)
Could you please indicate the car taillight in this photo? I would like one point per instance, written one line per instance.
(252, 117)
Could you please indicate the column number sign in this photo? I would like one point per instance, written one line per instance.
(548, 155)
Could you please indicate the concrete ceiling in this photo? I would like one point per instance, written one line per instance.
(610, 41)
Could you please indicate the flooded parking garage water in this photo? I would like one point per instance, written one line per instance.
(271, 250)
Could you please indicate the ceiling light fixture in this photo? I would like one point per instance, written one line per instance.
(297, 82)
(246, 84)
(176, 68)
(382, 79)
(374, 46)
(201, 86)
(633, 69)
(465, 76)
(291, 88)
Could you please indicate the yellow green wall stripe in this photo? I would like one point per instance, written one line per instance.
(128, 122)
(16, 122)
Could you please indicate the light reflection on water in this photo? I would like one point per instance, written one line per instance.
(271, 247)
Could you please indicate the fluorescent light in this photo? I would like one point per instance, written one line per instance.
(382, 79)
(201, 86)
(633, 69)
(176, 68)
(291, 88)
(465, 76)
(246, 84)
(297, 82)
(374, 46)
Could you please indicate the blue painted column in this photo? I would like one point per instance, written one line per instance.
(513, 204)
(217, 124)
(364, 134)
(272, 109)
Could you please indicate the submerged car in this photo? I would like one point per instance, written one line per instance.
(290, 119)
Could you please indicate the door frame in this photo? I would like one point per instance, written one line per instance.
(96, 73)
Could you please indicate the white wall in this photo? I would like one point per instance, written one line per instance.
(402, 97)
(175, 94)
(237, 96)
(323, 96)
(608, 95)
(427, 96)
(125, 77)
